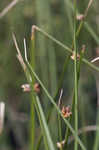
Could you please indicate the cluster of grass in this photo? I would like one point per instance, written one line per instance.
(56, 131)
(32, 76)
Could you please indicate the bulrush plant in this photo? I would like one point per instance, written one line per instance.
(35, 85)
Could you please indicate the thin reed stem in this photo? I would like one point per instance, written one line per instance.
(32, 114)
(78, 74)
(75, 79)
(59, 118)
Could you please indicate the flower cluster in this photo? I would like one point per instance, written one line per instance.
(66, 111)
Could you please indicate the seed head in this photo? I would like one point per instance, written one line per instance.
(26, 88)
(37, 88)
(66, 111)
(80, 17)
(60, 144)
(73, 56)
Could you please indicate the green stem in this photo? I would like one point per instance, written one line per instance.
(32, 124)
(75, 80)
(32, 121)
(78, 68)
(59, 119)
(79, 28)
(59, 129)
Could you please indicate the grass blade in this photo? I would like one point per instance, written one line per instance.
(43, 124)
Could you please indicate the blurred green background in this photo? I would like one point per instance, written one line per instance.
(56, 18)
